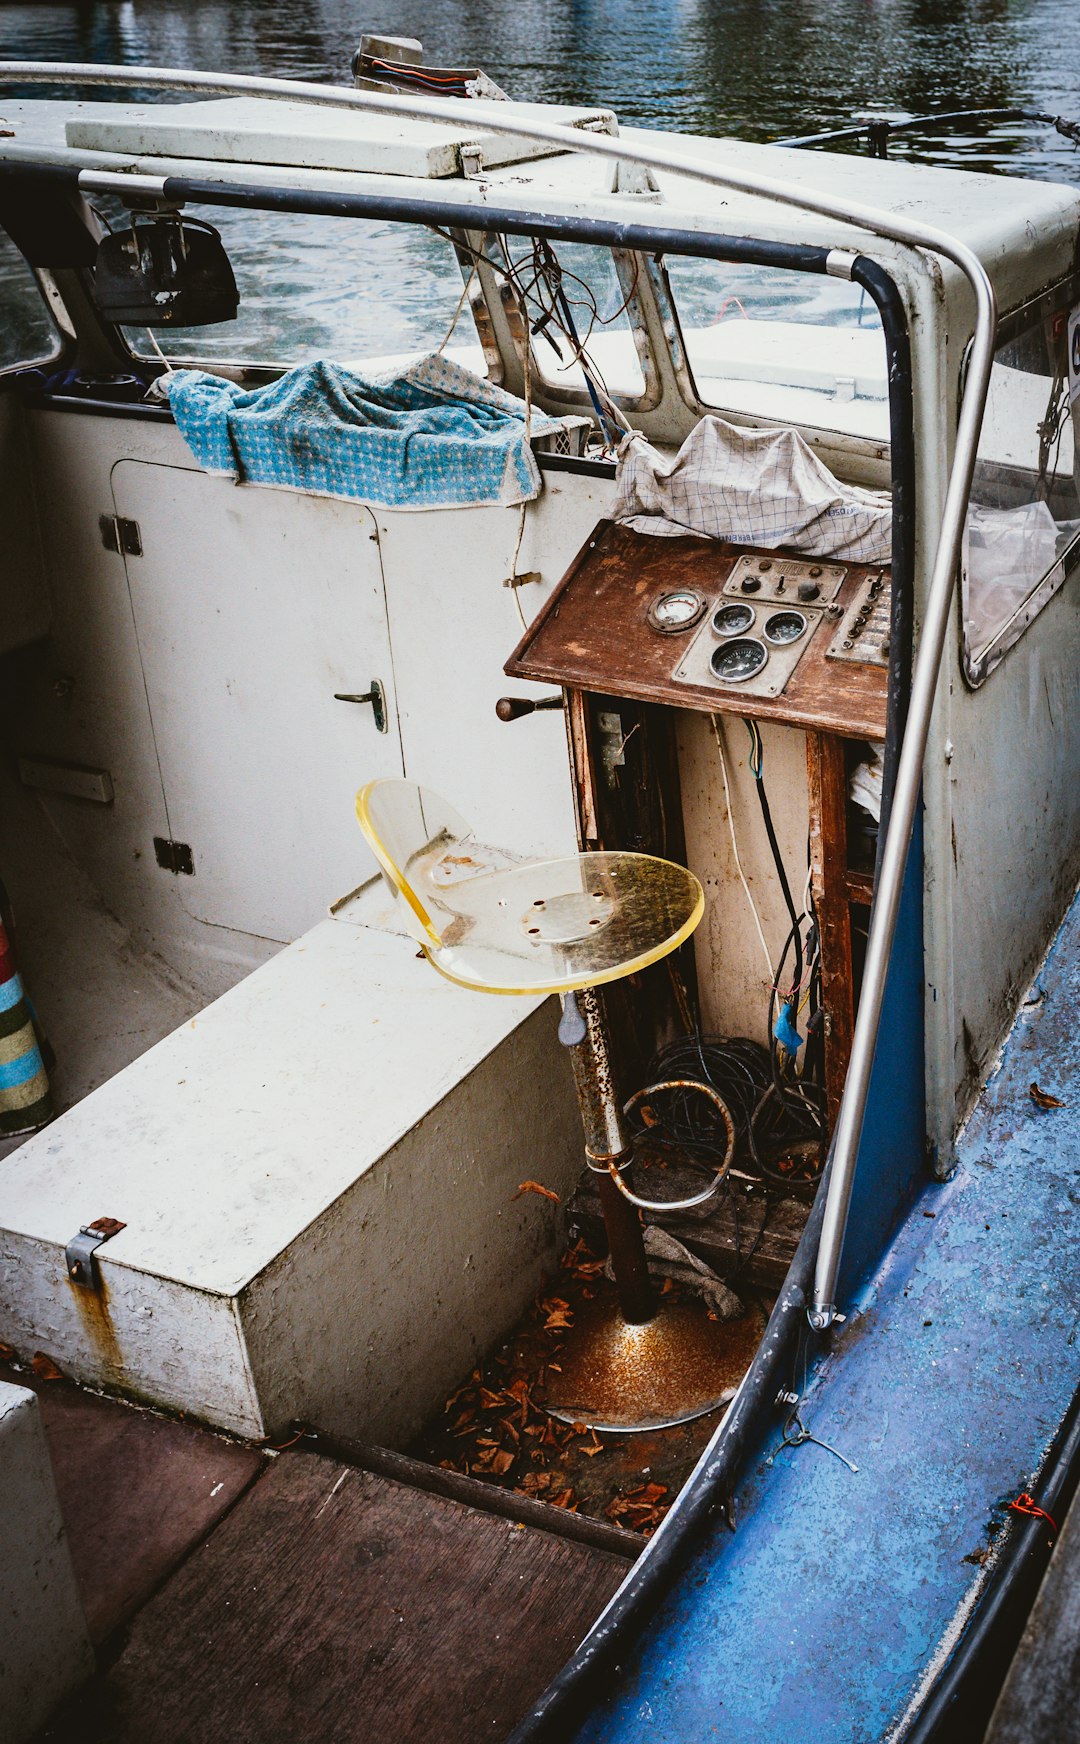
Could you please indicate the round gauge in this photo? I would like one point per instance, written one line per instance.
(733, 620)
(677, 609)
(735, 662)
(784, 627)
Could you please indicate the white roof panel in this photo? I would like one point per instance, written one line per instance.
(254, 131)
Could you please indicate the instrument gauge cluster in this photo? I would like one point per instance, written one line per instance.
(757, 630)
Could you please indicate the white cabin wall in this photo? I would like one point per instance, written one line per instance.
(1009, 766)
(733, 983)
(453, 625)
(1001, 805)
(184, 752)
(85, 695)
(24, 601)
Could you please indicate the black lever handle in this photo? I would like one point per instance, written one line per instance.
(511, 708)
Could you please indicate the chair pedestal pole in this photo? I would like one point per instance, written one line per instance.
(647, 1364)
(605, 1138)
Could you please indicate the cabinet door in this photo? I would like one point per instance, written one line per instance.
(252, 607)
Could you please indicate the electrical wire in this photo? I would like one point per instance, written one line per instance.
(735, 846)
(757, 769)
(540, 279)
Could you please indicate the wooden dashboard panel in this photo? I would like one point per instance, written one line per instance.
(593, 634)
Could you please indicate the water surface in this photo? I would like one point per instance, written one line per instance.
(757, 69)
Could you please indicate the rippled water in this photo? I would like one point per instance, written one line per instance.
(759, 69)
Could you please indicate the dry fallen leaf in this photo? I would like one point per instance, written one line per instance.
(1044, 1099)
(45, 1369)
(535, 1187)
(6, 1353)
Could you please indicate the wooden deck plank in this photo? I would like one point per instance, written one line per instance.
(137, 1492)
(333, 1605)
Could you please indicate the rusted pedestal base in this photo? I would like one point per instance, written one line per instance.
(678, 1365)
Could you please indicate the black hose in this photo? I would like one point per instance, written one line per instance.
(763, 800)
(881, 288)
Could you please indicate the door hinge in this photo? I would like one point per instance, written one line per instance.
(79, 1255)
(174, 856)
(120, 535)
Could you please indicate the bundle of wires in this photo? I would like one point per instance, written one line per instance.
(548, 293)
(686, 1121)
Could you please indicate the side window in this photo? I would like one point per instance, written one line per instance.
(1023, 527)
(28, 333)
(361, 292)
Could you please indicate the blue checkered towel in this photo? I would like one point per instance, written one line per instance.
(432, 437)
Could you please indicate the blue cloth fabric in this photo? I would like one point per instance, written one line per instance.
(432, 436)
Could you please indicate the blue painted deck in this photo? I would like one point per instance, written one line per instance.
(816, 1622)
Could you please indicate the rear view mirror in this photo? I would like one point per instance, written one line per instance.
(167, 271)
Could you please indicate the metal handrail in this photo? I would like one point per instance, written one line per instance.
(893, 860)
(881, 128)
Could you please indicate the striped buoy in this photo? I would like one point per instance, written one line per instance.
(25, 1103)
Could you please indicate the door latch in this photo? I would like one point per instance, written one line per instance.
(376, 696)
(79, 1255)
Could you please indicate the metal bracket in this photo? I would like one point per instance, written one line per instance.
(120, 535)
(376, 696)
(82, 1266)
(522, 579)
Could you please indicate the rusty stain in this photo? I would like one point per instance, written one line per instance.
(93, 1310)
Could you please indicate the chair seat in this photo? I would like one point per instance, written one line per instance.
(541, 926)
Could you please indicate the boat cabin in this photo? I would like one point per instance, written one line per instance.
(663, 599)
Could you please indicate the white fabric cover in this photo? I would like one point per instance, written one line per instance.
(754, 487)
(1007, 552)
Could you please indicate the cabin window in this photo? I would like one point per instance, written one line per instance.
(788, 347)
(1023, 527)
(28, 333)
(582, 317)
(366, 294)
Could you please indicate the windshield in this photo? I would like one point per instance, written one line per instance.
(794, 348)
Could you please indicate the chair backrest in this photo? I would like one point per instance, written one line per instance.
(426, 849)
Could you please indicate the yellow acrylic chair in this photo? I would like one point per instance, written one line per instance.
(495, 923)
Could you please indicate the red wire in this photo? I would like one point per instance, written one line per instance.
(1025, 1504)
